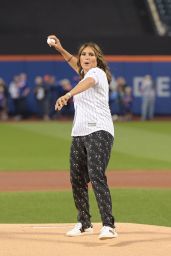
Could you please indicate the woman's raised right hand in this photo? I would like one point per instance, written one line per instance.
(57, 44)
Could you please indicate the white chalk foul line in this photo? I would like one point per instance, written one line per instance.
(49, 227)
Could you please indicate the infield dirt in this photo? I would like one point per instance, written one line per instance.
(50, 240)
(59, 180)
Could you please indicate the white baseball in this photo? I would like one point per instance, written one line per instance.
(50, 41)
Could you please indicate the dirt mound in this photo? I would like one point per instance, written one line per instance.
(50, 239)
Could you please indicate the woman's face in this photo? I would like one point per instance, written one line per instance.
(88, 59)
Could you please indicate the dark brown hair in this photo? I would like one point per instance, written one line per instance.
(101, 63)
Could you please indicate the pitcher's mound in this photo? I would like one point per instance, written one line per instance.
(50, 240)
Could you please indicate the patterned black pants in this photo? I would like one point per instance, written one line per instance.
(88, 161)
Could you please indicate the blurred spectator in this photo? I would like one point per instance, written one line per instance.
(68, 110)
(113, 96)
(41, 92)
(46, 91)
(3, 100)
(55, 91)
(128, 99)
(19, 91)
(121, 85)
(120, 99)
(113, 84)
(148, 98)
(14, 92)
(24, 91)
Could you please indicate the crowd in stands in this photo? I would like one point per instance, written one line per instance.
(14, 98)
(3, 100)
(18, 92)
(46, 91)
(120, 99)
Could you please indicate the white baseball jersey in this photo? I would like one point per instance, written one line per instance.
(92, 111)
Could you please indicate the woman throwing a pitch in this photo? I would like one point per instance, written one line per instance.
(92, 136)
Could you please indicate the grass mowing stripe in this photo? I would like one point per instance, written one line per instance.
(126, 161)
(46, 146)
(55, 130)
(143, 144)
(159, 127)
(24, 150)
(130, 205)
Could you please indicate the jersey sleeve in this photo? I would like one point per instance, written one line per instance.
(94, 74)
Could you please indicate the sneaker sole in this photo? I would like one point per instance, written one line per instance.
(80, 234)
(107, 237)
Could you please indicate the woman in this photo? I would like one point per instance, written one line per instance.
(92, 136)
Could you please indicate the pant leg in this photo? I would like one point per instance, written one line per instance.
(79, 180)
(99, 145)
(151, 107)
(144, 110)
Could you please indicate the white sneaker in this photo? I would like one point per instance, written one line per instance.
(78, 230)
(107, 232)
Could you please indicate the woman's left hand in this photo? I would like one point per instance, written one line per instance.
(62, 101)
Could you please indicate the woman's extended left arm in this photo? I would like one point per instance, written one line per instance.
(80, 87)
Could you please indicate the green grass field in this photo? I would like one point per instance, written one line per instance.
(31, 146)
(130, 205)
(45, 146)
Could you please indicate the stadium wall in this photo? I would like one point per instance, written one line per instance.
(132, 68)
